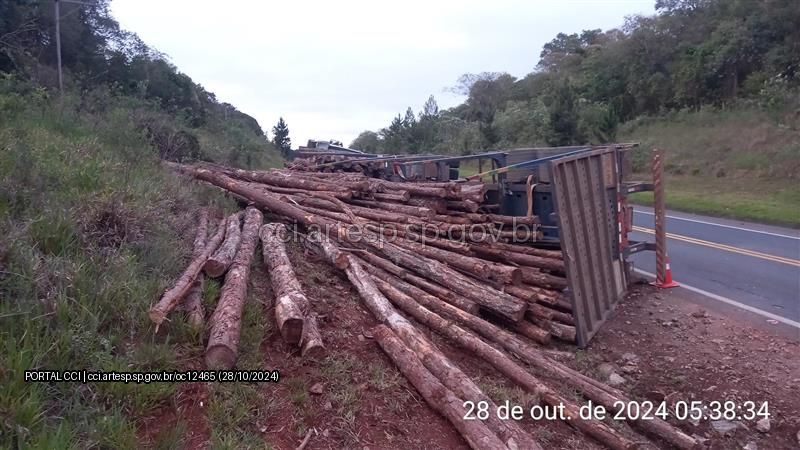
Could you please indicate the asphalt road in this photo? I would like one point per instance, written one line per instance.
(756, 265)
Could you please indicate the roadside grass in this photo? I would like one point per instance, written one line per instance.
(742, 162)
(93, 231)
(236, 409)
(775, 202)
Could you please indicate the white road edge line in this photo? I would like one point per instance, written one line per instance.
(723, 226)
(728, 301)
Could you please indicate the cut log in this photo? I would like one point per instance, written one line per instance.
(292, 308)
(226, 322)
(463, 205)
(296, 182)
(193, 302)
(531, 331)
(173, 295)
(501, 362)
(431, 357)
(311, 342)
(341, 195)
(219, 262)
(401, 197)
(438, 205)
(514, 220)
(288, 294)
(419, 282)
(528, 250)
(559, 330)
(417, 211)
(438, 397)
(499, 302)
(535, 277)
(519, 258)
(532, 294)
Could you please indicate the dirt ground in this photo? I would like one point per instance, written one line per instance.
(662, 345)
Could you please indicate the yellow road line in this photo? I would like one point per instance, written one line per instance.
(728, 248)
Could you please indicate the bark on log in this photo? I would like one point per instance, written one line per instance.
(321, 194)
(499, 302)
(561, 331)
(526, 249)
(535, 277)
(463, 205)
(311, 342)
(438, 205)
(532, 294)
(436, 362)
(173, 295)
(434, 289)
(401, 197)
(417, 211)
(438, 397)
(500, 361)
(219, 262)
(262, 199)
(296, 182)
(193, 302)
(289, 297)
(519, 258)
(514, 220)
(531, 331)
(226, 322)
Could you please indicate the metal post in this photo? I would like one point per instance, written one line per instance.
(663, 271)
(57, 16)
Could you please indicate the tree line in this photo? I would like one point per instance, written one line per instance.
(690, 54)
(98, 55)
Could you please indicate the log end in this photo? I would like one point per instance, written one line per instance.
(313, 350)
(220, 357)
(157, 316)
(292, 330)
(214, 269)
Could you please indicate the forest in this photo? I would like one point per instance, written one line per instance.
(105, 66)
(692, 54)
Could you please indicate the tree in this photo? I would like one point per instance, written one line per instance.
(367, 141)
(430, 109)
(280, 137)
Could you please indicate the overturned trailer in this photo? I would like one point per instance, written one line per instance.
(578, 193)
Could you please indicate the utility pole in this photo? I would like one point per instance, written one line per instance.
(58, 46)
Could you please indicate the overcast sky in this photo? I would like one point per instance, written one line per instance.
(335, 68)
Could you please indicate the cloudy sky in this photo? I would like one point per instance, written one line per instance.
(335, 68)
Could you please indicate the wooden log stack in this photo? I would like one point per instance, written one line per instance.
(436, 253)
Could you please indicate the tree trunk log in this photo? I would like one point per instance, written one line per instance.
(417, 211)
(436, 362)
(501, 362)
(499, 302)
(561, 331)
(535, 277)
(173, 295)
(219, 262)
(311, 342)
(463, 205)
(289, 298)
(226, 322)
(193, 302)
(438, 397)
(519, 258)
(401, 197)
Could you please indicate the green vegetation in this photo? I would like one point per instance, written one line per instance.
(93, 227)
(715, 82)
(742, 163)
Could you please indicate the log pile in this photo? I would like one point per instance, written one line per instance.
(432, 235)
(435, 253)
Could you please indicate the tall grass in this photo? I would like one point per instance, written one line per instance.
(92, 230)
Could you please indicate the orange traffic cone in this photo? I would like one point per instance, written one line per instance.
(668, 281)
